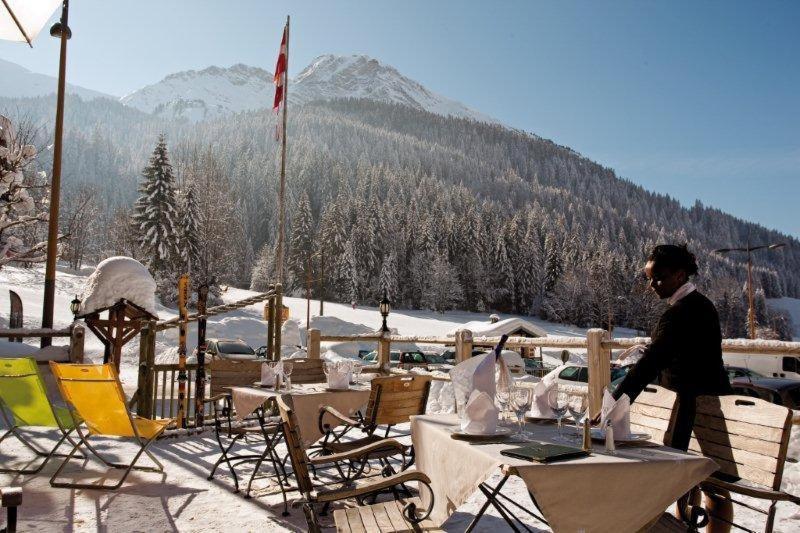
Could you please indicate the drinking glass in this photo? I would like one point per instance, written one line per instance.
(557, 400)
(357, 372)
(287, 373)
(521, 398)
(576, 406)
(503, 396)
(328, 367)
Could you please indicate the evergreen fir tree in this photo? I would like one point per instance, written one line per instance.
(301, 244)
(189, 232)
(388, 278)
(155, 215)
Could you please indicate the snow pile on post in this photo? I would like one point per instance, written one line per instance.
(117, 278)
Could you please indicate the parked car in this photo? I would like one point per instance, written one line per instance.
(449, 355)
(780, 391)
(579, 375)
(230, 349)
(740, 372)
(534, 367)
(775, 366)
(372, 358)
(261, 352)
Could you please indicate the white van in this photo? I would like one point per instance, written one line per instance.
(773, 366)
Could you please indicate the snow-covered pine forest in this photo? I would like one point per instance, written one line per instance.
(441, 212)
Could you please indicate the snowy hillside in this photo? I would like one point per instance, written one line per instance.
(215, 91)
(17, 81)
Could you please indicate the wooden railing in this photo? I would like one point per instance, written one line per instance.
(164, 399)
(597, 344)
(76, 333)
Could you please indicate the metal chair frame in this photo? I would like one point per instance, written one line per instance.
(14, 429)
(143, 442)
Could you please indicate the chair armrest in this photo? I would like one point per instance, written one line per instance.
(371, 485)
(711, 484)
(218, 397)
(11, 496)
(331, 411)
(358, 453)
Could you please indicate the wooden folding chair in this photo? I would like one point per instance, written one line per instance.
(748, 438)
(392, 400)
(305, 370)
(406, 519)
(95, 397)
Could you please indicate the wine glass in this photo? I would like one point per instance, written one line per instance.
(503, 396)
(357, 372)
(328, 367)
(287, 373)
(576, 405)
(521, 398)
(557, 400)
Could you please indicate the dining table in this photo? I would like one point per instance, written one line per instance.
(623, 490)
(307, 398)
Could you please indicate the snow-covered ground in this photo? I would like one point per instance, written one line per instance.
(182, 499)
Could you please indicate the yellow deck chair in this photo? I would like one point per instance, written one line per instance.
(94, 395)
(24, 403)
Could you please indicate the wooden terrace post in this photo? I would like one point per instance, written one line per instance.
(147, 354)
(313, 343)
(76, 340)
(270, 317)
(278, 321)
(463, 345)
(384, 349)
(599, 360)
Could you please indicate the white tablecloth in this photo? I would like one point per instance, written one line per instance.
(307, 401)
(599, 493)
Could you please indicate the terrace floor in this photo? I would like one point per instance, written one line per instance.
(180, 499)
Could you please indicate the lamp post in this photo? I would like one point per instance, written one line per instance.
(61, 31)
(751, 312)
(75, 306)
(385, 307)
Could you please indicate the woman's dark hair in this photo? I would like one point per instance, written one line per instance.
(674, 258)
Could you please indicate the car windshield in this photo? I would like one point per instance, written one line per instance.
(394, 356)
(413, 357)
(234, 347)
(571, 373)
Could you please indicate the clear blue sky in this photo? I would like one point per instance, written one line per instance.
(695, 99)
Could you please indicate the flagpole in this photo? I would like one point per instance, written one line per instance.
(281, 203)
(55, 185)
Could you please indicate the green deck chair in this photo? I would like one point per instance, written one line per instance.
(24, 403)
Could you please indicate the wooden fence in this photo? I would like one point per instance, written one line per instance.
(597, 344)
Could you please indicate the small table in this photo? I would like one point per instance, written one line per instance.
(598, 493)
(307, 399)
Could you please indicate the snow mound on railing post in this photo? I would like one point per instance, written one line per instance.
(116, 278)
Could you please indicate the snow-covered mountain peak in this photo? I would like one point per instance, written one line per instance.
(216, 91)
(207, 93)
(359, 76)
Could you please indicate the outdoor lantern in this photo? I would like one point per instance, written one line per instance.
(75, 306)
(384, 308)
(55, 31)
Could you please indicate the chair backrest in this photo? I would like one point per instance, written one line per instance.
(291, 433)
(306, 370)
(94, 391)
(395, 398)
(747, 437)
(232, 373)
(653, 412)
(23, 392)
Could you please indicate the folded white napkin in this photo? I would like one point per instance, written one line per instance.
(539, 406)
(480, 414)
(474, 374)
(269, 373)
(619, 413)
(338, 379)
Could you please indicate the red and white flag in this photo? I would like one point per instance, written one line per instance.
(280, 71)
